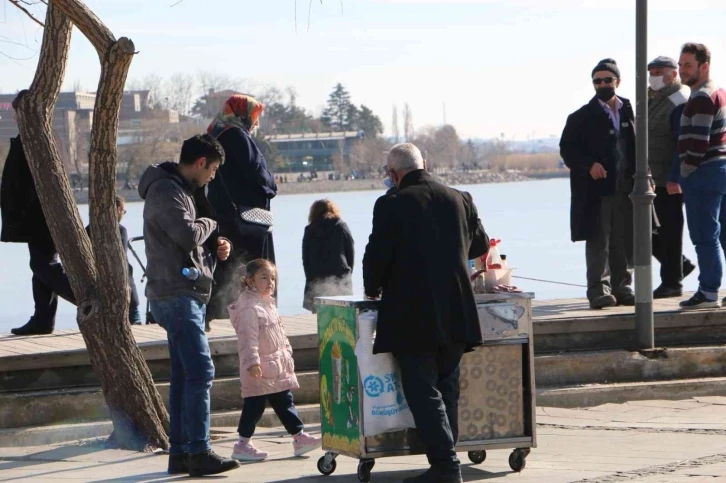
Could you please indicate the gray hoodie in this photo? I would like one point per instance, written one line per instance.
(176, 235)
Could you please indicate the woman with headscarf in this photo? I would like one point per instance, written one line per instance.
(243, 180)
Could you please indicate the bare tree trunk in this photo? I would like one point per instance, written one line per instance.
(96, 267)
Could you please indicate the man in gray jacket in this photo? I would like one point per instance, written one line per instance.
(182, 248)
(666, 99)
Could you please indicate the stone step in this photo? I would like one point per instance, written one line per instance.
(67, 406)
(591, 395)
(60, 433)
(553, 372)
(618, 366)
(566, 397)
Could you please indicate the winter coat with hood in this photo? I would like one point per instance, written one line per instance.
(261, 340)
(328, 256)
(179, 232)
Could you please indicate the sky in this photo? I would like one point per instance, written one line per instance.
(489, 67)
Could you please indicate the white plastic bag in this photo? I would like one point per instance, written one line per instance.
(384, 406)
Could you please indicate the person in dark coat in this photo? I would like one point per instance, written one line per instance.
(243, 181)
(23, 221)
(598, 146)
(134, 314)
(327, 253)
(417, 261)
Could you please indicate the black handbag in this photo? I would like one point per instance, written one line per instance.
(249, 221)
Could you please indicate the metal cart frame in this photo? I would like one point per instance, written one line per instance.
(403, 443)
(149, 317)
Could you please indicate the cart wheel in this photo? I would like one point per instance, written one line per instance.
(364, 470)
(326, 469)
(517, 460)
(477, 457)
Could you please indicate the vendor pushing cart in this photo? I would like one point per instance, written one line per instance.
(497, 402)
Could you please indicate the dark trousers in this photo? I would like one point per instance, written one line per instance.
(283, 405)
(668, 240)
(430, 383)
(49, 282)
(609, 251)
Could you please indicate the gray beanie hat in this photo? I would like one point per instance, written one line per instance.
(608, 65)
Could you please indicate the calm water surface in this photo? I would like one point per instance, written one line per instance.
(531, 218)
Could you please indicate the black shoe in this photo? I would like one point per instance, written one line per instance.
(602, 301)
(688, 267)
(664, 292)
(210, 463)
(31, 329)
(178, 464)
(626, 299)
(435, 476)
(699, 301)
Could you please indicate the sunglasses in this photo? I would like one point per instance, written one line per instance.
(606, 80)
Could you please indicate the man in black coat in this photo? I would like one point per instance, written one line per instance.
(417, 261)
(23, 222)
(598, 145)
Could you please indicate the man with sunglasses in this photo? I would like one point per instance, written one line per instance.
(598, 146)
(702, 150)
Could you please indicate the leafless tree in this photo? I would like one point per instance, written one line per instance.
(179, 90)
(408, 131)
(394, 125)
(96, 266)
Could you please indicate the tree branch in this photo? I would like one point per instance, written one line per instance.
(89, 24)
(17, 4)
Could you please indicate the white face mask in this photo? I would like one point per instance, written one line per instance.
(656, 82)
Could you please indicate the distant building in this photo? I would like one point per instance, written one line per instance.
(72, 121)
(315, 151)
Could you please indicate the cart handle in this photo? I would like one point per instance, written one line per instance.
(136, 255)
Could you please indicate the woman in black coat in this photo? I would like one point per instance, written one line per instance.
(243, 180)
(327, 254)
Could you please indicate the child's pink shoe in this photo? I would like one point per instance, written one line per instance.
(303, 443)
(247, 452)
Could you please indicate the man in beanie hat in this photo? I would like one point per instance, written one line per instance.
(598, 145)
(666, 100)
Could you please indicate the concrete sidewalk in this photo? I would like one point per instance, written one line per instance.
(644, 441)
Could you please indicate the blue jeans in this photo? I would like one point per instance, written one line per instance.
(192, 372)
(704, 192)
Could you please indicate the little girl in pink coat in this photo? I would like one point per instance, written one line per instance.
(266, 368)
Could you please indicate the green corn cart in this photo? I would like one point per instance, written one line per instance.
(497, 403)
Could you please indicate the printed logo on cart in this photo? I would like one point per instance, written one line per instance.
(375, 386)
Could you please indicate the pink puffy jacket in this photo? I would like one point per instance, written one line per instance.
(261, 340)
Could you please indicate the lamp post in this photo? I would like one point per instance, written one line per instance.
(642, 195)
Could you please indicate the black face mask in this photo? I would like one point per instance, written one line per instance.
(605, 93)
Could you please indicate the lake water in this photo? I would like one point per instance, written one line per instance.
(531, 218)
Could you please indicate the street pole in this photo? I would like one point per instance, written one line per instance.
(642, 195)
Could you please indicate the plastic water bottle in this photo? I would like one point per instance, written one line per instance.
(190, 273)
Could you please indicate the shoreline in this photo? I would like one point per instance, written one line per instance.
(325, 186)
